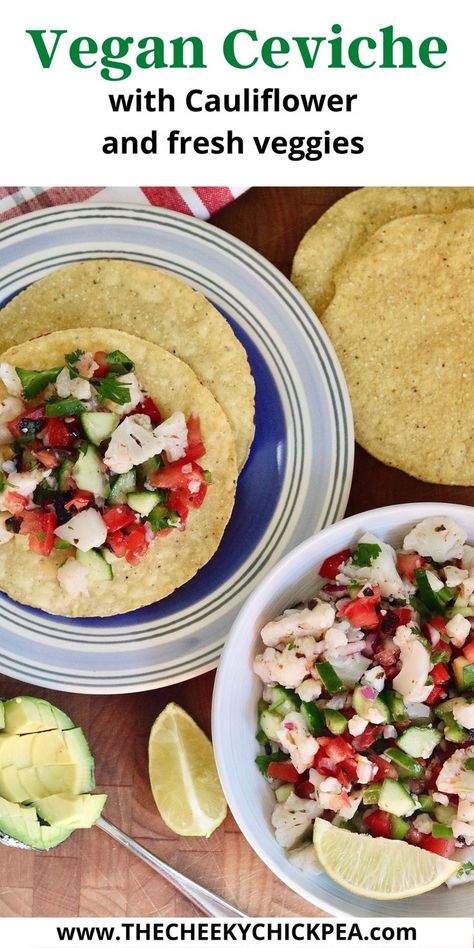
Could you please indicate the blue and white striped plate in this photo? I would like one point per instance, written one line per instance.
(295, 482)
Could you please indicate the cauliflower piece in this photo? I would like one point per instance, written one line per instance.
(304, 858)
(63, 383)
(5, 535)
(297, 622)
(382, 570)
(309, 689)
(375, 678)
(10, 408)
(438, 537)
(464, 830)
(10, 379)
(81, 389)
(347, 812)
(330, 785)
(24, 483)
(335, 638)
(172, 436)
(307, 646)
(423, 823)
(366, 771)
(357, 725)
(463, 713)
(135, 392)
(411, 679)
(403, 633)
(86, 530)
(458, 629)
(131, 444)
(467, 557)
(283, 668)
(86, 365)
(297, 741)
(293, 819)
(466, 811)
(350, 668)
(441, 798)
(390, 732)
(454, 576)
(453, 776)
(72, 577)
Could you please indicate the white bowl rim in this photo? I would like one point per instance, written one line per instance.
(408, 511)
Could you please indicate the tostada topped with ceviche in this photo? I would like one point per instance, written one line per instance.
(117, 476)
(366, 720)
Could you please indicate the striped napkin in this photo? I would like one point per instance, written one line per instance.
(198, 202)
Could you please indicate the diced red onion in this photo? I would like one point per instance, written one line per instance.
(371, 644)
(289, 726)
(433, 633)
(369, 693)
(336, 590)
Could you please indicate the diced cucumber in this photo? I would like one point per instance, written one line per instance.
(88, 472)
(426, 803)
(150, 466)
(270, 723)
(364, 706)
(284, 700)
(142, 501)
(335, 721)
(65, 474)
(371, 794)
(394, 798)
(407, 766)
(329, 677)
(419, 741)
(122, 485)
(98, 425)
(282, 793)
(396, 705)
(445, 814)
(399, 826)
(445, 709)
(436, 602)
(313, 717)
(161, 517)
(453, 731)
(97, 566)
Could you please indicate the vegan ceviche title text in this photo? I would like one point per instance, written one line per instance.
(116, 57)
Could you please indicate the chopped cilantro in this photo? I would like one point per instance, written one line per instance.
(365, 553)
(465, 869)
(109, 389)
(33, 382)
(65, 406)
(72, 357)
(291, 646)
(119, 362)
(469, 764)
(207, 477)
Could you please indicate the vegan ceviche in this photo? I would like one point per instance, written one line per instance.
(367, 713)
(90, 467)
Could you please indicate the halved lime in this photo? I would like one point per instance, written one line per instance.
(378, 868)
(183, 775)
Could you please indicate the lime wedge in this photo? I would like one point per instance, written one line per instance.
(378, 868)
(183, 775)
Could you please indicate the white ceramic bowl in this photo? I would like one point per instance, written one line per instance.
(234, 711)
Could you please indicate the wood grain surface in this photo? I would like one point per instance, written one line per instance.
(89, 874)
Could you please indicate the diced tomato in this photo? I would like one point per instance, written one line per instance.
(47, 458)
(119, 517)
(283, 770)
(196, 500)
(39, 526)
(468, 652)
(36, 414)
(148, 407)
(440, 648)
(403, 616)
(413, 836)
(118, 543)
(432, 774)
(196, 447)
(336, 748)
(436, 694)
(442, 847)
(137, 543)
(179, 501)
(367, 738)
(324, 765)
(440, 674)
(361, 613)
(378, 823)
(349, 767)
(407, 563)
(439, 624)
(101, 359)
(305, 789)
(57, 434)
(331, 566)
(384, 768)
(81, 500)
(177, 475)
(14, 502)
(387, 656)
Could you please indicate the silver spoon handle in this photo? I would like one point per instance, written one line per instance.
(211, 904)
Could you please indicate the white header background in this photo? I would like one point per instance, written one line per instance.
(416, 123)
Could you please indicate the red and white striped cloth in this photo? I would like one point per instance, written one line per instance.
(198, 202)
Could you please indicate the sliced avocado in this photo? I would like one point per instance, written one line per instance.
(21, 823)
(69, 811)
(88, 472)
(11, 787)
(16, 749)
(26, 715)
(48, 779)
(97, 567)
